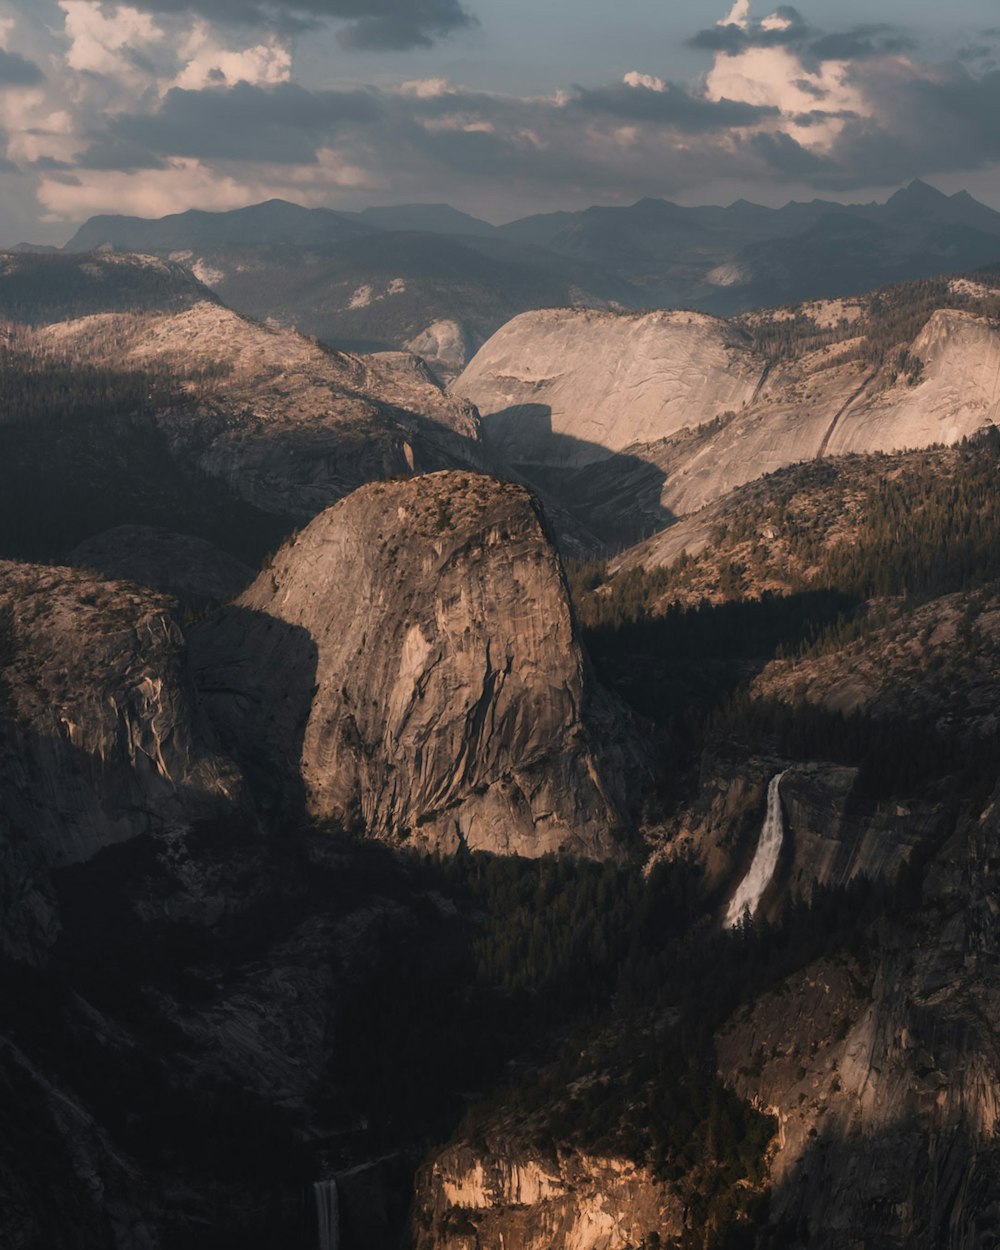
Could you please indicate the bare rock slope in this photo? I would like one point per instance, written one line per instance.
(570, 386)
(649, 417)
(288, 425)
(410, 661)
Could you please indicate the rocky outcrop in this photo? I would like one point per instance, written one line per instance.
(884, 1069)
(444, 345)
(568, 387)
(410, 663)
(648, 418)
(98, 736)
(288, 425)
(197, 572)
(469, 1199)
(831, 834)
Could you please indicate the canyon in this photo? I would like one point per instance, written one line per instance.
(555, 810)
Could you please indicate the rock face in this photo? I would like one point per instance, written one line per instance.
(410, 662)
(443, 344)
(652, 417)
(570, 386)
(884, 1070)
(829, 836)
(470, 1200)
(286, 425)
(98, 737)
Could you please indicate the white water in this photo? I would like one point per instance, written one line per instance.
(327, 1214)
(765, 861)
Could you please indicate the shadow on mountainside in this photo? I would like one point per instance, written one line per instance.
(256, 677)
(522, 437)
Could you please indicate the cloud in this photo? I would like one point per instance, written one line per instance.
(283, 124)
(785, 25)
(371, 24)
(152, 112)
(18, 71)
(861, 43)
(672, 106)
(739, 15)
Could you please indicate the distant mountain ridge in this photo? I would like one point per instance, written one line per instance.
(429, 278)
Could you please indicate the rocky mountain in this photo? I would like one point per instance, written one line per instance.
(567, 387)
(633, 420)
(424, 276)
(729, 260)
(431, 893)
(389, 277)
(133, 832)
(443, 296)
(100, 738)
(184, 415)
(270, 222)
(409, 662)
(40, 288)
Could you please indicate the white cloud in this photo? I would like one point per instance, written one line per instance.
(775, 21)
(207, 62)
(108, 43)
(634, 79)
(426, 88)
(739, 15)
(776, 77)
(152, 193)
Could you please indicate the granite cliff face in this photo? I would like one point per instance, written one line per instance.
(883, 1069)
(410, 661)
(570, 386)
(633, 420)
(99, 740)
(473, 1200)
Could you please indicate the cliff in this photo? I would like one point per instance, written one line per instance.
(410, 663)
(468, 1199)
(882, 1066)
(98, 734)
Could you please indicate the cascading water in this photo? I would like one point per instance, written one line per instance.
(327, 1214)
(765, 860)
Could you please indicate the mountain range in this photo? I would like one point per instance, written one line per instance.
(427, 274)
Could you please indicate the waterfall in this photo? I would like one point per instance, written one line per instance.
(327, 1214)
(765, 860)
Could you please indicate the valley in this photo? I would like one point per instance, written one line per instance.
(540, 795)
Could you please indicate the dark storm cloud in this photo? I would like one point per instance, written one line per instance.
(734, 39)
(919, 125)
(282, 124)
(784, 154)
(856, 44)
(16, 71)
(860, 43)
(371, 23)
(671, 107)
(128, 157)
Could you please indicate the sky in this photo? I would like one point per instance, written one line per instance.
(499, 107)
